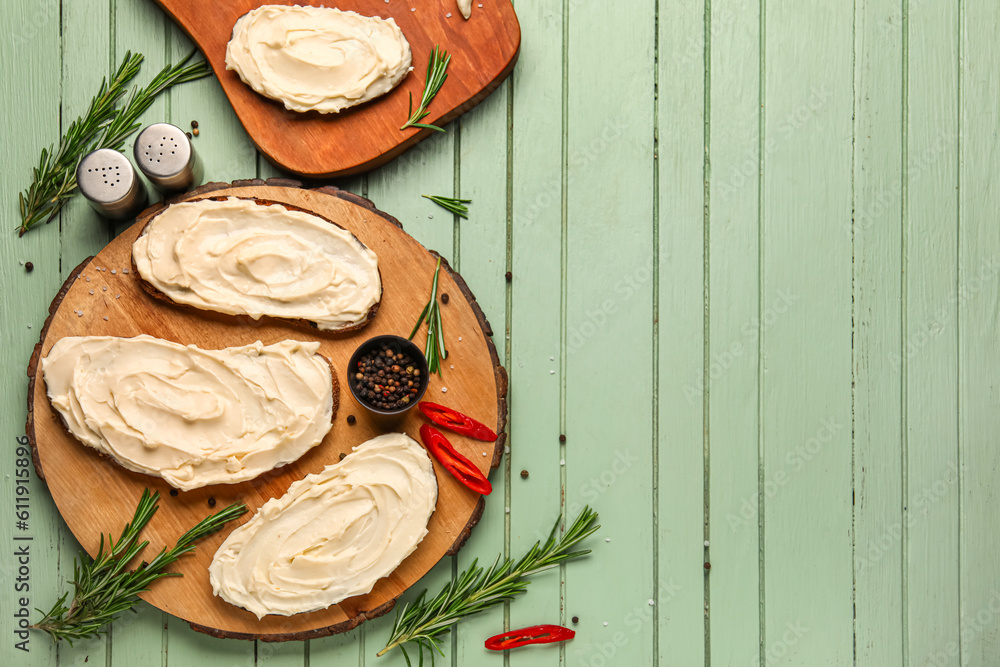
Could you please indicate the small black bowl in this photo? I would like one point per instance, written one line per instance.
(396, 344)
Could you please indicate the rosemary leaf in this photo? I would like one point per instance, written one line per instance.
(103, 588)
(424, 622)
(437, 73)
(456, 206)
(434, 349)
(104, 125)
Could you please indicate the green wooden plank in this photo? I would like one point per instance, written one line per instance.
(731, 381)
(31, 77)
(82, 232)
(535, 289)
(979, 348)
(928, 351)
(806, 364)
(609, 239)
(878, 462)
(678, 614)
(482, 251)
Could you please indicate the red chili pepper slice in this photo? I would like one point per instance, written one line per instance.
(457, 422)
(536, 634)
(462, 468)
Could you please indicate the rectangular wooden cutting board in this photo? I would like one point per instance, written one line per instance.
(484, 49)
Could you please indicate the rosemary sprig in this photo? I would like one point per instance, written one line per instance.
(456, 206)
(425, 622)
(437, 72)
(104, 125)
(434, 350)
(103, 588)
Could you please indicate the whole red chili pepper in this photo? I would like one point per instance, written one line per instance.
(462, 468)
(536, 634)
(457, 422)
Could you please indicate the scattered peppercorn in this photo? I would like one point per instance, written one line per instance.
(388, 380)
(173, 492)
(576, 619)
(350, 418)
(194, 124)
(196, 131)
(211, 502)
(343, 456)
(445, 298)
(508, 276)
(188, 134)
(29, 267)
(524, 474)
(562, 437)
(708, 566)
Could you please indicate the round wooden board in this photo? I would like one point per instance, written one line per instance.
(93, 493)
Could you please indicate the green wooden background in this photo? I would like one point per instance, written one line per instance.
(755, 249)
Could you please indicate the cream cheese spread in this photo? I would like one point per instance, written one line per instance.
(333, 534)
(243, 258)
(317, 58)
(193, 417)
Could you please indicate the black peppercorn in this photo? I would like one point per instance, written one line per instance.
(342, 456)
(524, 474)
(388, 380)
(351, 419)
(211, 502)
(508, 276)
(29, 267)
(445, 298)
(194, 124)
(173, 492)
(562, 437)
(576, 619)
